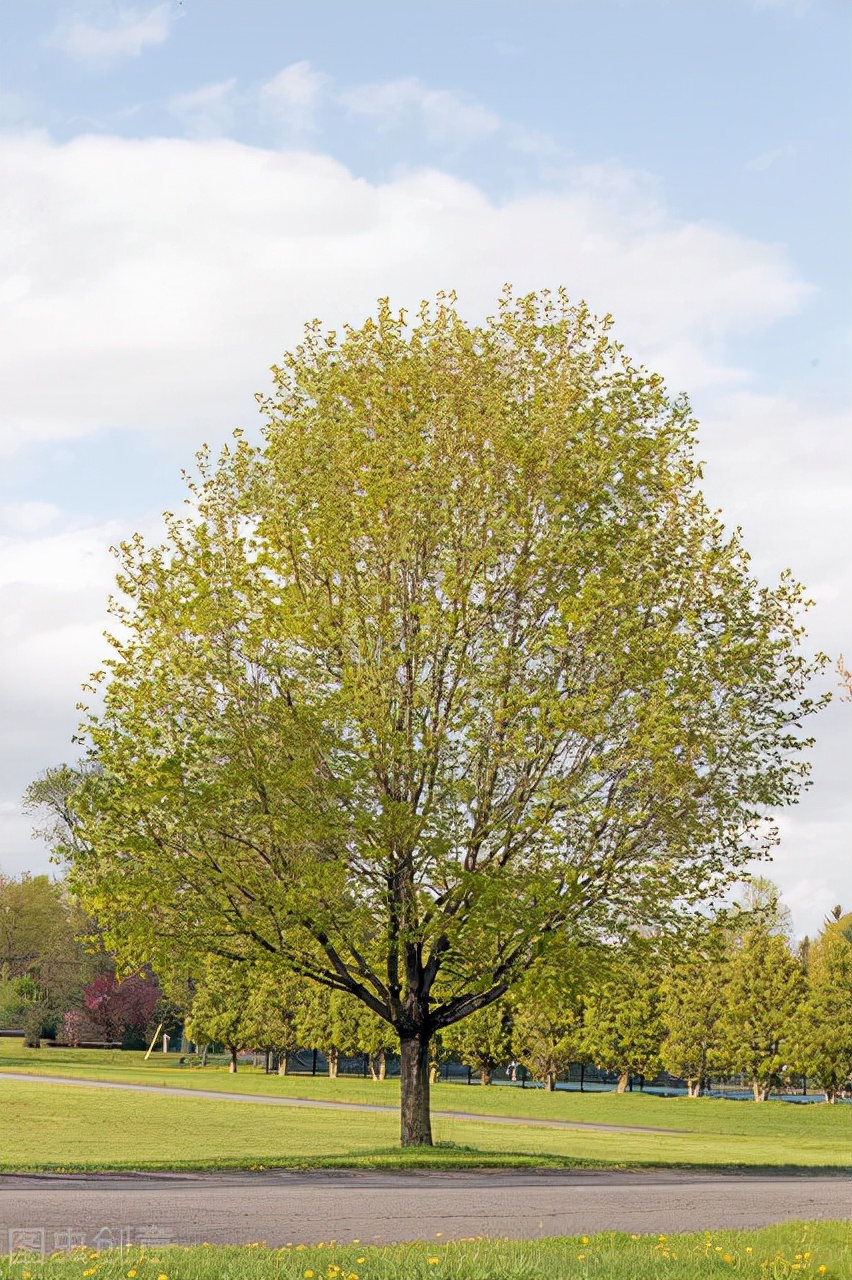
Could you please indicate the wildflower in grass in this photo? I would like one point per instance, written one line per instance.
(581, 1257)
(584, 1239)
(821, 1270)
(726, 1257)
(309, 1275)
(433, 1261)
(131, 1273)
(360, 1259)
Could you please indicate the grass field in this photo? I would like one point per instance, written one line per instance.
(815, 1250)
(68, 1126)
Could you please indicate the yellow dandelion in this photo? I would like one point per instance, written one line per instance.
(581, 1257)
(748, 1250)
(584, 1239)
(821, 1270)
(360, 1259)
(131, 1273)
(634, 1237)
(661, 1238)
(309, 1275)
(433, 1261)
(162, 1276)
(726, 1257)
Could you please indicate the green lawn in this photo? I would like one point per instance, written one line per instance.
(820, 1251)
(72, 1126)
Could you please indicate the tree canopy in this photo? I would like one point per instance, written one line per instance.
(456, 663)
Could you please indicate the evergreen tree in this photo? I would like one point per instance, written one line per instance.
(764, 991)
(483, 1041)
(823, 1031)
(623, 1024)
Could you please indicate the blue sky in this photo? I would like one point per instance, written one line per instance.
(188, 182)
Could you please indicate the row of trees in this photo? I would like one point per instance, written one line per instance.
(739, 1003)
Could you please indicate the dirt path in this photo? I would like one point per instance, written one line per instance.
(174, 1091)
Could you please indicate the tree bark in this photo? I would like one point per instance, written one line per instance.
(485, 1075)
(232, 1066)
(550, 1082)
(332, 1059)
(415, 1121)
(623, 1080)
(283, 1063)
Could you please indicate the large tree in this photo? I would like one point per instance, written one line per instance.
(457, 663)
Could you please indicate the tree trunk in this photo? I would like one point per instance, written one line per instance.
(266, 1057)
(383, 1065)
(232, 1066)
(204, 1053)
(415, 1121)
(332, 1059)
(761, 1091)
(485, 1075)
(283, 1063)
(550, 1082)
(623, 1080)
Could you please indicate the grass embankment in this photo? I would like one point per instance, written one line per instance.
(800, 1249)
(82, 1128)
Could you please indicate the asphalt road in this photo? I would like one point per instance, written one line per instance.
(303, 1208)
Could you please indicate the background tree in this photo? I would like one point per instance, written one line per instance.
(458, 663)
(273, 1015)
(765, 988)
(823, 1025)
(623, 1027)
(547, 1023)
(482, 1042)
(692, 1000)
(39, 924)
(222, 1010)
(374, 1037)
(328, 1022)
(122, 1008)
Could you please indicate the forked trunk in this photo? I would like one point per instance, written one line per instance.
(415, 1121)
(760, 1090)
(379, 1066)
(485, 1075)
(623, 1081)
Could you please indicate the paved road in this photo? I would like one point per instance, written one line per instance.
(282, 1101)
(303, 1208)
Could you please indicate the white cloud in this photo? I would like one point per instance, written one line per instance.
(759, 163)
(131, 31)
(208, 112)
(154, 281)
(27, 517)
(53, 595)
(291, 97)
(445, 116)
(157, 279)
